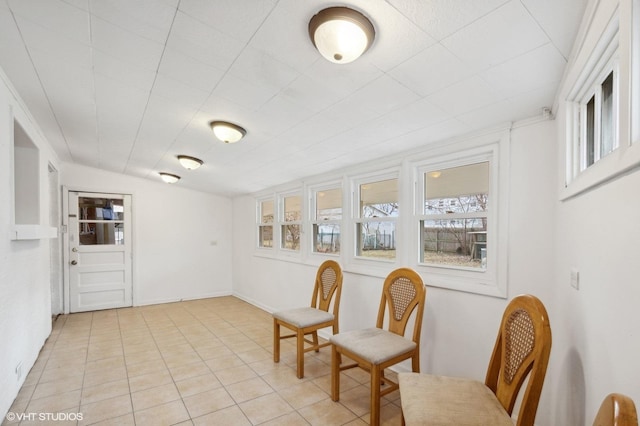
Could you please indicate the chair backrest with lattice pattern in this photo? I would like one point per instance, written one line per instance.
(402, 293)
(328, 284)
(522, 349)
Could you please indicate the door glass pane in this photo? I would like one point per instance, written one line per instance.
(101, 221)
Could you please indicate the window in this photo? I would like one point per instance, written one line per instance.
(598, 130)
(265, 223)
(375, 224)
(326, 219)
(595, 111)
(453, 220)
(291, 222)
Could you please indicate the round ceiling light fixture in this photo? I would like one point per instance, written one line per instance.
(169, 177)
(227, 132)
(341, 34)
(190, 163)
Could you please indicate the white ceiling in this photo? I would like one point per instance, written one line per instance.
(126, 85)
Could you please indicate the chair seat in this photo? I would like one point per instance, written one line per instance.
(304, 317)
(374, 344)
(441, 401)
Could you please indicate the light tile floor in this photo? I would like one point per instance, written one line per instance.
(202, 362)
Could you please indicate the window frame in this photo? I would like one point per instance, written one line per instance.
(492, 280)
(421, 216)
(356, 219)
(259, 224)
(612, 31)
(281, 222)
(312, 192)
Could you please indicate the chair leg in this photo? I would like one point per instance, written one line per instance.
(315, 340)
(300, 353)
(375, 395)
(415, 361)
(276, 341)
(335, 374)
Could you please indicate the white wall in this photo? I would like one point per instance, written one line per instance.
(459, 328)
(25, 307)
(173, 231)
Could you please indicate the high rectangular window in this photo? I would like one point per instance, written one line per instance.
(598, 135)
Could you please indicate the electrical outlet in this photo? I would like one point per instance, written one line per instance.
(575, 279)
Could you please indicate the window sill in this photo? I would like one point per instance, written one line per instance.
(607, 169)
(33, 232)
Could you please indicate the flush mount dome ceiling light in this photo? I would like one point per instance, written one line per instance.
(341, 34)
(189, 163)
(169, 177)
(227, 132)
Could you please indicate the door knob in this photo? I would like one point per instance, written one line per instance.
(74, 262)
(75, 249)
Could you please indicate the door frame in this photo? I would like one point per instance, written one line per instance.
(65, 240)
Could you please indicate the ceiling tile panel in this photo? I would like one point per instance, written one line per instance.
(431, 70)
(562, 24)
(189, 71)
(505, 33)
(523, 73)
(465, 96)
(52, 44)
(384, 95)
(180, 93)
(80, 4)
(204, 43)
(247, 94)
(129, 74)
(284, 35)
(441, 18)
(239, 19)
(149, 19)
(124, 45)
(312, 94)
(56, 16)
(261, 69)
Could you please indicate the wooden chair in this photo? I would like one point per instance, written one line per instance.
(375, 349)
(309, 320)
(521, 350)
(616, 410)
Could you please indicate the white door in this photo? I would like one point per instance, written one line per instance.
(99, 251)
